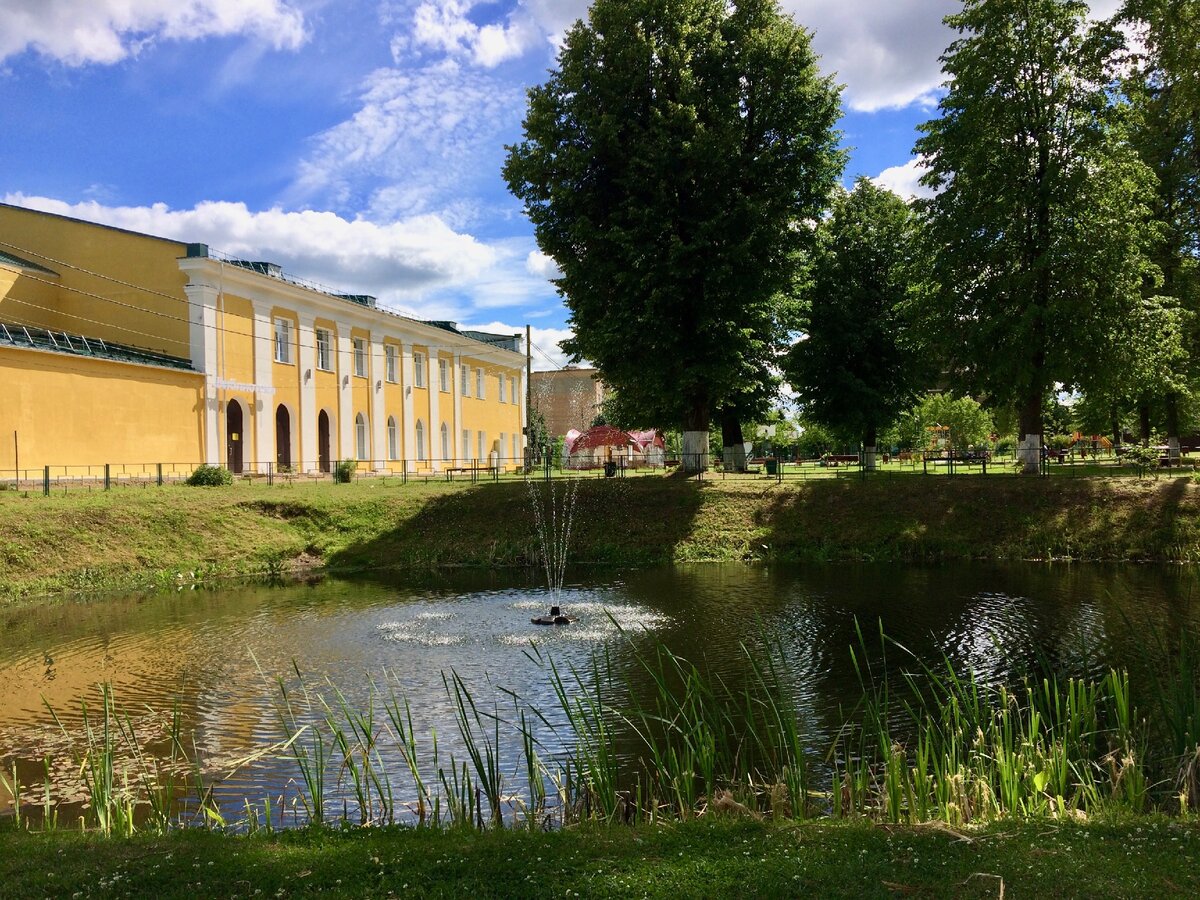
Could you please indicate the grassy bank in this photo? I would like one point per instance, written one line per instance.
(713, 858)
(161, 536)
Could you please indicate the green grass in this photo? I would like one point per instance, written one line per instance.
(160, 537)
(705, 858)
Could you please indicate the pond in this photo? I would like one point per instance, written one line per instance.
(219, 651)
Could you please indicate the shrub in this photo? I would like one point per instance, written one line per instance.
(210, 476)
(345, 471)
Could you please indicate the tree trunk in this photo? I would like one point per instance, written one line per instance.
(1029, 424)
(1116, 429)
(732, 442)
(1172, 402)
(869, 439)
(695, 438)
(1144, 421)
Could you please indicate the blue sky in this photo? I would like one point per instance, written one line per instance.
(359, 142)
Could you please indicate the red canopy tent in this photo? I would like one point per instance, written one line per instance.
(602, 436)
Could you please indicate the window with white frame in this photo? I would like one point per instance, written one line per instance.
(479, 445)
(360, 357)
(324, 350)
(466, 444)
(501, 380)
(283, 341)
(443, 375)
(393, 370)
(360, 436)
(466, 381)
(500, 445)
(420, 441)
(479, 391)
(516, 449)
(419, 370)
(445, 441)
(512, 389)
(393, 439)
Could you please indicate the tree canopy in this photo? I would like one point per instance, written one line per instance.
(856, 369)
(1039, 232)
(668, 166)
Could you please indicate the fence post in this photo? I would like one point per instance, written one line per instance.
(107, 477)
(46, 481)
(924, 462)
(984, 459)
(270, 474)
(160, 482)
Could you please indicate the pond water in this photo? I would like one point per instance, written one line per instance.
(217, 651)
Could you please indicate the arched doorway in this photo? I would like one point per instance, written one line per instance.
(323, 460)
(283, 438)
(234, 438)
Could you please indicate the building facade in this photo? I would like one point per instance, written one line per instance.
(123, 347)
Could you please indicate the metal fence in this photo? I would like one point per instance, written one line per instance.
(54, 479)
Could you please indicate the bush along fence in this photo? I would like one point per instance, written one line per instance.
(934, 746)
(1134, 461)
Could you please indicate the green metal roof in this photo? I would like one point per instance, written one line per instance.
(79, 345)
(16, 262)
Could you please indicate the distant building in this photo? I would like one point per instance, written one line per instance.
(568, 399)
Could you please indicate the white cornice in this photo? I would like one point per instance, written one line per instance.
(264, 289)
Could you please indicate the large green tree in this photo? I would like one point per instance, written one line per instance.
(1039, 228)
(667, 166)
(855, 368)
(1163, 87)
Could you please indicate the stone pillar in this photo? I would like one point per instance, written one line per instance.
(306, 360)
(376, 372)
(345, 396)
(408, 379)
(460, 453)
(435, 411)
(264, 409)
(202, 338)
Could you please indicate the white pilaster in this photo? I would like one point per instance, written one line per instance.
(202, 338)
(460, 453)
(377, 372)
(407, 378)
(345, 396)
(306, 359)
(264, 413)
(435, 410)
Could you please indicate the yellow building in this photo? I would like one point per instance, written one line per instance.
(124, 348)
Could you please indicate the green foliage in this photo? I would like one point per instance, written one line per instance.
(969, 423)
(815, 441)
(664, 166)
(343, 472)
(1040, 230)
(854, 369)
(210, 476)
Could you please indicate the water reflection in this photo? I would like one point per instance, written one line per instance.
(219, 650)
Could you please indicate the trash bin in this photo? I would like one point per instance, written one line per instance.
(610, 469)
(772, 465)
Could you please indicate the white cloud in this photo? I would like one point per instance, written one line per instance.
(446, 26)
(542, 266)
(886, 53)
(547, 355)
(904, 180)
(419, 265)
(78, 32)
(420, 139)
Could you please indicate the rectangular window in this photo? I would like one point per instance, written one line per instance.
(516, 450)
(283, 341)
(360, 357)
(500, 445)
(512, 389)
(389, 355)
(466, 382)
(479, 391)
(443, 375)
(501, 380)
(479, 444)
(324, 350)
(466, 444)
(419, 370)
